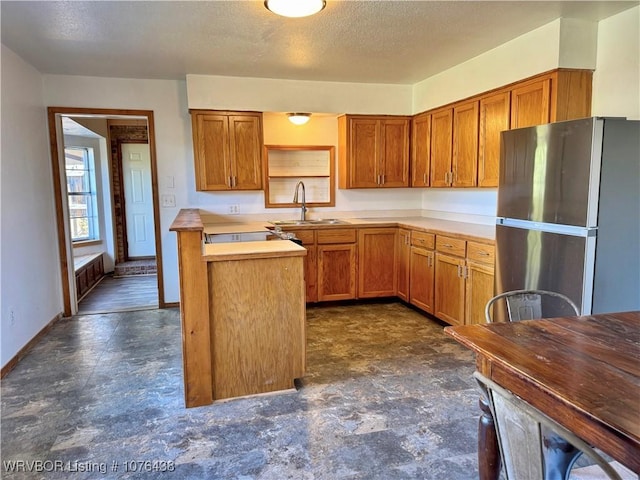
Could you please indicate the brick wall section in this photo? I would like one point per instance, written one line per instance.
(121, 134)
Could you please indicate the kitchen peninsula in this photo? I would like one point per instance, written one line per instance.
(442, 267)
(242, 309)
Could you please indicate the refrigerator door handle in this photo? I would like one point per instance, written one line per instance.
(548, 227)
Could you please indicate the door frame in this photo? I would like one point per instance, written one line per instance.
(55, 143)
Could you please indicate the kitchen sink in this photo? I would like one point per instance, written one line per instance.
(320, 221)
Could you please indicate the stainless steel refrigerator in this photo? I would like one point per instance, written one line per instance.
(568, 217)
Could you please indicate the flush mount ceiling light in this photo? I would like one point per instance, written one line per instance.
(295, 8)
(298, 118)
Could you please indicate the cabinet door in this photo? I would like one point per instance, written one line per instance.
(420, 150)
(422, 278)
(465, 144)
(441, 147)
(211, 151)
(530, 104)
(364, 144)
(450, 289)
(377, 266)
(308, 238)
(394, 153)
(336, 272)
(479, 290)
(494, 118)
(311, 273)
(245, 143)
(404, 250)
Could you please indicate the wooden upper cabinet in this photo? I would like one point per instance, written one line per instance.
(227, 149)
(494, 118)
(531, 103)
(373, 151)
(553, 97)
(465, 145)
(394, 150)
(441, 147)
(245, 146)
(363, 152)
(420, 150)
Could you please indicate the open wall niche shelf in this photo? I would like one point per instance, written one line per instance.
(286, 165)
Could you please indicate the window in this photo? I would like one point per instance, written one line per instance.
(81, 194)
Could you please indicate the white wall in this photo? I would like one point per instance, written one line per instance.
(276, 95)
(31, 293)
(616, 81)
(167, 99)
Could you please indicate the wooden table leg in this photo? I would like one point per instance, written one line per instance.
(488, 450)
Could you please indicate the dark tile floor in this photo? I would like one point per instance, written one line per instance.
(387, 396)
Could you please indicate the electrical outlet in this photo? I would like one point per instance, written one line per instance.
(168, 200)
(12, 317)
(234, 209)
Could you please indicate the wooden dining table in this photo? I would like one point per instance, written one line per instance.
(582, 372)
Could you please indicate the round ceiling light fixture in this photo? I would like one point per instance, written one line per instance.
(298, 118)
(295, 8)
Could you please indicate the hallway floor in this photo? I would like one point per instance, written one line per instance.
(119, 294)
(386, 396)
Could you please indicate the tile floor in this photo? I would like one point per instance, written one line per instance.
(387, 396)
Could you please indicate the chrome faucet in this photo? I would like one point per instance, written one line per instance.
(303, 209)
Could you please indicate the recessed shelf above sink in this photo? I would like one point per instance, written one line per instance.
(320, 221)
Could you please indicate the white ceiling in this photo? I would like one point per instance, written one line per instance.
(399, 42)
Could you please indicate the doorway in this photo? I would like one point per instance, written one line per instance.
(135, 170)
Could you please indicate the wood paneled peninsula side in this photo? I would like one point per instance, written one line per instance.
(242, 311)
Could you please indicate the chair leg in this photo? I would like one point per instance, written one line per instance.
(488, 450)
(559, 456)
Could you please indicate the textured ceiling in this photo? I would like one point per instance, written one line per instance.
(399, 42)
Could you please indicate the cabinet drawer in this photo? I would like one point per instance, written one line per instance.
(423, 239)
(450, 245)
(480, 252)
(337, 235)
(308, 237)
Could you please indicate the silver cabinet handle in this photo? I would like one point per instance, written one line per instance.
(424, 178)
(382, 179)
(484, 254)
(447, 245)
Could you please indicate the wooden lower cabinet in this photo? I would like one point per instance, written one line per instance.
(377, 266)
(337, 272)
(450, 289)
(257, 321)
(311, 273)
(308, 238)
(479, 290)
(480, 284)
(404, 258)
(422, 275)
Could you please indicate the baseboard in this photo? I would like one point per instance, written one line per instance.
(171, 305)
(24, 350)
